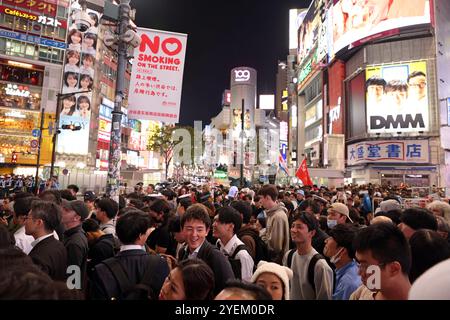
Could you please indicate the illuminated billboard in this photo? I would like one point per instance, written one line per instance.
(267, 101)
(397, 98)
(356, 21)
(78, 79)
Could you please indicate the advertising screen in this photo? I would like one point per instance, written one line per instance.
(397, 98)
(354, 21)
(76, 103)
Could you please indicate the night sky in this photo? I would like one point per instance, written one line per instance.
(222, 34)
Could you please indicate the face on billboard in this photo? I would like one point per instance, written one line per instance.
(396, 98)
(354, 20)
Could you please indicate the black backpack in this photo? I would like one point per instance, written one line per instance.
(261, 249)
(236, 263)
(129, 291)
(311, 266)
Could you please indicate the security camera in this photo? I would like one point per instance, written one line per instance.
(132, 38)
(82, 21)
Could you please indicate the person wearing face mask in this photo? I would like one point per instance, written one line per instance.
(338, 247)
(338, 213)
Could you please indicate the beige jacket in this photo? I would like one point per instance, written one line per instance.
(277, 232)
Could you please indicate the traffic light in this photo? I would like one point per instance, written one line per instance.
(71, 127)
(14, 157)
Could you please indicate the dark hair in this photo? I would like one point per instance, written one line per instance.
(131, 225)
(83, 99)
(66, 76)
(49, 212)
(74, 187)
(161, 206)
(394, 215)
(109, 206)
(244, 208)
(94, 16)
(269, 190)
(309, 204)
(66, 194)
(257, 198)
(255, 291)
(51, 195)
(122, 202)
(386, 243)
(419, 218)
(86, 76)
(289, 205)
(174, 224)
(6, 238)
(185, 202)
(396, 85)
(230, 215)
(12, 257)
(198, 279)
(22, 206)
(71, 33)
(344, 234)
(197, 212)
(262, 221)
(427, 249)
(90, 225)
(72, 53)
(375, 81)
(137, 203)
(90, 35)
(307, 218)
(416, 74)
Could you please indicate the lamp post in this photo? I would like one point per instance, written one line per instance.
(125, 37)
(41, 127)
(59, 97)
(241, 180)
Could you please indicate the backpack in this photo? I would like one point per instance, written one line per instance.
(128, 291)
(261, 249)
(236, 263)
(311, 266)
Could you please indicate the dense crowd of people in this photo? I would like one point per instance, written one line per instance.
(186, 242)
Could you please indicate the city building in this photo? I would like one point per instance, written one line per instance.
(371, 93)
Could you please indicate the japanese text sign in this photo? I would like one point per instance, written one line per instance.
(157, 76)
(389, 151)
(45, 7)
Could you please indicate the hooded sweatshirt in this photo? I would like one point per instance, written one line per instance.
(277, 232)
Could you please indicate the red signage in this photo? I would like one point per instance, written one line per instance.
(45, 7)
(42, 19)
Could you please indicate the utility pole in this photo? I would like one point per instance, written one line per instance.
(112, 183)
(41, 127)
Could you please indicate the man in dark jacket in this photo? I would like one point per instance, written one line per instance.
(73, 214)
(48, 253)
(131, 264)
(196, 224)
(101, 245)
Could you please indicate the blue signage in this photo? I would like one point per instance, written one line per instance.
(32, 39)
(283, 150)
(35, 133)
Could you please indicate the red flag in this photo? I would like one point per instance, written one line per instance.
(303, 174)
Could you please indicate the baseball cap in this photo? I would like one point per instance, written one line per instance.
(78, 206)
(341, 209)
(300, 191)
(389, 205)
(89, 196)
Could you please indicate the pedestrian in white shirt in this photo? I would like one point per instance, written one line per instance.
(226, 224)
(22, 207)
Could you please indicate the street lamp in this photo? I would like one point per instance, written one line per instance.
(125, 37)
(59, 97)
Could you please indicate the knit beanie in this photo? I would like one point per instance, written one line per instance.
(284, 273)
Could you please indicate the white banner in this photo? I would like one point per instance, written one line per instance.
(389, 151)
(157, 76)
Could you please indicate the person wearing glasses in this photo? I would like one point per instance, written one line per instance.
(384, 260)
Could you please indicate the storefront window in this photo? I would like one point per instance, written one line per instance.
(10, 144)
(31, 51)
(19, 96)
(21, 75)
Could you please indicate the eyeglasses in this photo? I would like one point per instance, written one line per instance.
(364, 266)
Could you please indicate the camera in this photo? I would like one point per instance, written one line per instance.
(82, 21)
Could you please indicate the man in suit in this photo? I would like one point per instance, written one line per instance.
(132, 262)
(48, 253)
(196, 223)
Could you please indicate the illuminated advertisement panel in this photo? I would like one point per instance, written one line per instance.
(355, 22)
(397, 98)
(75, 109)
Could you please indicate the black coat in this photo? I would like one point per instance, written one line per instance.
(101, 249)
(217, 261)
(104, 285)
(51, 256)
(77, 248)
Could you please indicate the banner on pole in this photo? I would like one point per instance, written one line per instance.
(157, 76)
